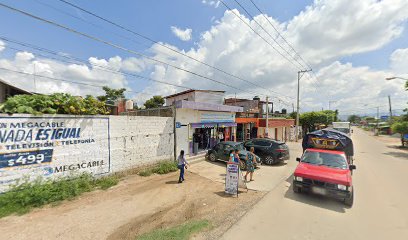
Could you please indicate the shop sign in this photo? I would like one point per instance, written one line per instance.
(231, 179)
(51, 147)
(217, 117)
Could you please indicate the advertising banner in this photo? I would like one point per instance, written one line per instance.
(216, 117)
(231, 179)
(50, 147)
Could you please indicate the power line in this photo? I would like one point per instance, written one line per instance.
(116, 46)
(290, 46)
(257, 23)
(81, 61)
(281, 36)
(259, 35)
(163, 45)
(77, 60)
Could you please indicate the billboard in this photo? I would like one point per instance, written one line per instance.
(51, 147)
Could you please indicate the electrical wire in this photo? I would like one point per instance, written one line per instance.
(165, 46)
(117, 46)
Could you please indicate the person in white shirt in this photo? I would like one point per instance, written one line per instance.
(181, 164)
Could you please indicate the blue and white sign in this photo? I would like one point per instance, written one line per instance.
(51, 147)
(216, 117)
(178, 124)
(384, 117)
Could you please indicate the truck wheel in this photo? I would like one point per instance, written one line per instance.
(212, 157)
(349, 201)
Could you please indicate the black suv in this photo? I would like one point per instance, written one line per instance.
(270, 151)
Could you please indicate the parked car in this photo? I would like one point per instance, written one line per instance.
(220, 152)
(325, 172)
(269, 150)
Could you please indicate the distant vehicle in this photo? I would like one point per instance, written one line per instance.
(220, 152)
(269, 150)
(344, 127)
(324, 168)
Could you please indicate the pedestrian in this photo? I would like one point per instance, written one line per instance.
(236, 156)
(220, 136)
(250, 164)
(182, 163)
(231, 156)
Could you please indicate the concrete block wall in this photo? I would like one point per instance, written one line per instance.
(137, 141)
(104, 145)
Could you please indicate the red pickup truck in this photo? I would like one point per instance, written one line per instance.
(326, 172)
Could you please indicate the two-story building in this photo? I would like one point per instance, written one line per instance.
(202, 119)
(251, 122)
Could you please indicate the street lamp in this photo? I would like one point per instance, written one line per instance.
(389, 97)
(392, 78)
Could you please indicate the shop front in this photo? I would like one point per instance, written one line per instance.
(204, 125)
(213, 127)
(247, 128)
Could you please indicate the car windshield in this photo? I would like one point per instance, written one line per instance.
(326, 159)
(343, 130)
(239, 146)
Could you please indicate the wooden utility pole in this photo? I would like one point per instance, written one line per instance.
(297, 107)
(267, 118)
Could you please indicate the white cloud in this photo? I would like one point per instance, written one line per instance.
(212, 3)
(399, 61)
(333, 28)
(100, 72)
(2, 45)
(184, 35)
(323, 33)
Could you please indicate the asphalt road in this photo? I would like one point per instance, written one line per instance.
(380, 208)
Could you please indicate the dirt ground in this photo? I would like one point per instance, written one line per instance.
(135, 206)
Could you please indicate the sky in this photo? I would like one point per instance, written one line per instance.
(351, 46)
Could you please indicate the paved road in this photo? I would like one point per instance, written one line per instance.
(380, 208)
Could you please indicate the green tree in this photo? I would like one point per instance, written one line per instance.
(401, 128)
(354, 119)
(154, 102)
(111, 95)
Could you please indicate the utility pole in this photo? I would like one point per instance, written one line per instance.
(267, 117)
(389, 102)
(297, 107)
(378, 120)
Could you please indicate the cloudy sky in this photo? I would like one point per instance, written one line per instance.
(352, 46)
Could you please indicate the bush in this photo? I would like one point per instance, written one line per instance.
(23, 197)
(58, 103)
(401, 128)
(163, 167)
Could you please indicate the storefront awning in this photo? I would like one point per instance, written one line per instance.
(211, 124)
(203, 125)
(227, 124)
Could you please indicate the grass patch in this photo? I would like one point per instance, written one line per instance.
(163, 167)
(180, 232)
(23, 197)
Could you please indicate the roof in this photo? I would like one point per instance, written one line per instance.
(15, 88)
(237, 100)
(192, 90)
(207, 106)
